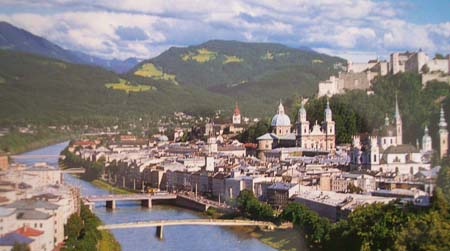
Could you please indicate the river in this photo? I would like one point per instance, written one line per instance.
(196, 238)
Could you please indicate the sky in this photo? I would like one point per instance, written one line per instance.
(357, 30)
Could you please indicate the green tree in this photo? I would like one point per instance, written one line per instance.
(250, 207)
(73, 227)
(20, 247)
(443, 179)
(439, 56)
(425, 69)
(428, 232)
(316, 228)
(373, 227)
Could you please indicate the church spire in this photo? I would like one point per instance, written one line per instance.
(442, 122)
(397, 110)
(236, 109)
(302, 113)
(398, 123)
(281, 108)
(328, 113)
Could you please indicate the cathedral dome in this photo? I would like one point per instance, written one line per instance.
(281, 119)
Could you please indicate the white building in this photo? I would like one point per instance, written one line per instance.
(386, 152)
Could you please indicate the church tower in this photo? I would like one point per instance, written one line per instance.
(443, 135)
(426, 141)
(236, 115)
(398, 123)
(329, 127)
(302, 127)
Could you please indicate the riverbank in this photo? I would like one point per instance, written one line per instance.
(108, 187)
(18, 143)
(282, 239)
(108, 242)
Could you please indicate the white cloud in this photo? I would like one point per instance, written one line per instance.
(344, 25)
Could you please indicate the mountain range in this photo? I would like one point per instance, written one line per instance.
(40, 80)
(13, 38)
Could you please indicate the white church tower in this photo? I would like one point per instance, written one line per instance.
(426, 141)
(236, 115)
(329, 127)
(302, 122)
(398, 123)
(443, 135)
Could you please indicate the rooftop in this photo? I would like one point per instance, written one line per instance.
(12, 238)
(29, 232)
(32, 215)
(401, 149)
(32, 204)
(281, 186)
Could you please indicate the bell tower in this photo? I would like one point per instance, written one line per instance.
(302, 127)
(443, 135)
(236, 115)
(329, 128)
(398, 123)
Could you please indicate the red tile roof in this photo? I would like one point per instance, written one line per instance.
(29, 232)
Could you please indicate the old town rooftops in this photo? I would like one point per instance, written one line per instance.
(28, 204)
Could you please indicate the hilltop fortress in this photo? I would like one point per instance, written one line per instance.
(359, 76)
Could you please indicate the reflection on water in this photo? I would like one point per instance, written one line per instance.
(198, 238)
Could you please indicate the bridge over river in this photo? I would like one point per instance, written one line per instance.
(37, 156)
(159, 224)
(147, 200)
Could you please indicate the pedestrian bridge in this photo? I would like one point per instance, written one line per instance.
(37, 156)
(74, 170)
(159, 224)
(111, 199)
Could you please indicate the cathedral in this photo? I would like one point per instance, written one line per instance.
(384, 150)
(321, 138)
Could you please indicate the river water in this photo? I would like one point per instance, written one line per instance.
(195, 238)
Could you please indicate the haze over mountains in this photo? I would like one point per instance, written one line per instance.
(199, 78)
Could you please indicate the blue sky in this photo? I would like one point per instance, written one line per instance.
(354, 29)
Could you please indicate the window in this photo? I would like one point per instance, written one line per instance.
(391, 141)
(384, 141)
(375, 158)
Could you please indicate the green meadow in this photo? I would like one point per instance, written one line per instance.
(123, 85)
(232, 59)
(201, 56)
(149, 70)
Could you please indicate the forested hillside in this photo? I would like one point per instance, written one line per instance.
(34, 88)
(248, 70)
